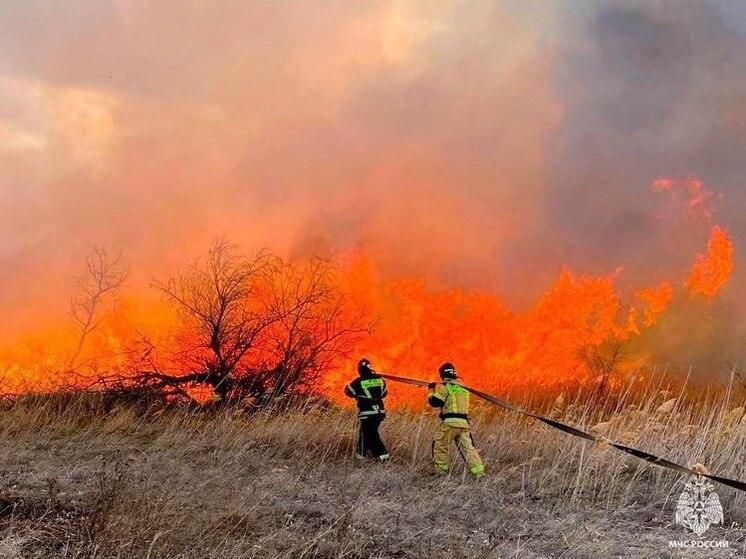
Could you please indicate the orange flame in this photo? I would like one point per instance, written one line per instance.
(417, 327)
(493, 346)
(712, 269)
(654, 302)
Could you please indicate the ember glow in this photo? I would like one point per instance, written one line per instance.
(499, 186)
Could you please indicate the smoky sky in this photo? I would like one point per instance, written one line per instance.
(480, 144)
(653, 89)
(650, 89)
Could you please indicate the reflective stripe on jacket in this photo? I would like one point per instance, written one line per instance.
(453, 400)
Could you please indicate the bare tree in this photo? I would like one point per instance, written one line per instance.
(104, 274)
(255, 325)
(313, 327)
(602, 360)
(220, 302)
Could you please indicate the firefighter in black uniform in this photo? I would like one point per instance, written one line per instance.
(369, 390)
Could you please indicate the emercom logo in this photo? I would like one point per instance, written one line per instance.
(699, 507)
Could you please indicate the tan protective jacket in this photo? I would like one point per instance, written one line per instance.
(453, 399)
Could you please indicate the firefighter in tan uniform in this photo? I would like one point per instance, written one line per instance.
(453, 400)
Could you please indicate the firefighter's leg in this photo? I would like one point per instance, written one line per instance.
(361, 449)
(375, 443)
(441, 445)
(466, 446)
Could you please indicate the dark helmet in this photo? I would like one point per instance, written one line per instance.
(363, 366)
(447, 370)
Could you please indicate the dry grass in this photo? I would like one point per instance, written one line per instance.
(81, 481)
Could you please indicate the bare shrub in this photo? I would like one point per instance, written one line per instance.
(255, 327)
(602, 361)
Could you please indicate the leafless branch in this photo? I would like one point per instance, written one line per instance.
(104, 274)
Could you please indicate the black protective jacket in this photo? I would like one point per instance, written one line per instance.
(369, 390)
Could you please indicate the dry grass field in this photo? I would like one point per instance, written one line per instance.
(82, 481)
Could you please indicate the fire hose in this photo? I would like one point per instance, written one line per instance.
(641, 454)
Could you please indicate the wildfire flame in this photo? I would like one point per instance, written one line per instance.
(712, 269)
(495, 347)
(417, 327)
(498, 348)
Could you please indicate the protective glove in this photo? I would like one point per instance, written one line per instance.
(432, 385)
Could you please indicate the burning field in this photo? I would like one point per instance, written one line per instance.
(211, 211)
(278, 324)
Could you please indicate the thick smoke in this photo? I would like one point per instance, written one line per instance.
(413, 129)
(649, 89)
(652, 89)
(475, 143)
